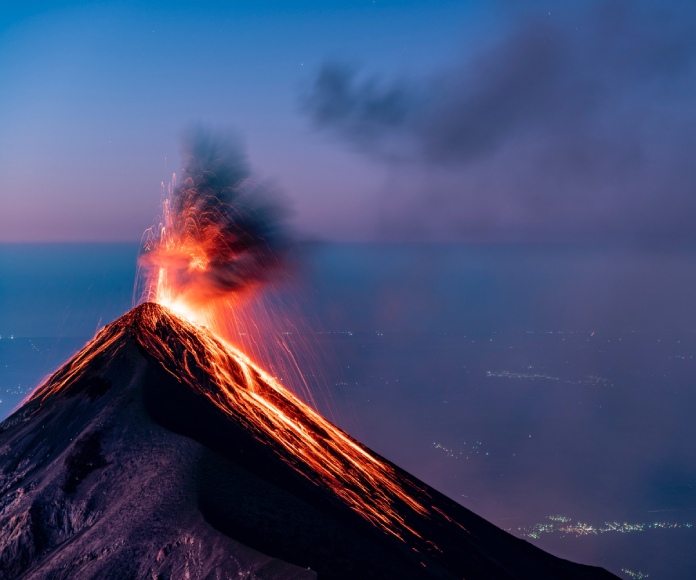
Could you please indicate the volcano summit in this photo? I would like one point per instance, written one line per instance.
(160, 451)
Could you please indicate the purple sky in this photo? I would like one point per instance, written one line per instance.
(376, 120)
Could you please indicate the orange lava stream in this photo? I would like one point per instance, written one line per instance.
(310, 444)
(254, 398)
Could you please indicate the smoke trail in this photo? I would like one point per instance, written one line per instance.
(221, 231)
(576, 125)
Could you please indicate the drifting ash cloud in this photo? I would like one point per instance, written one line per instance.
(579, 127)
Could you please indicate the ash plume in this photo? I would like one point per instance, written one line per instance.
(222, 232)
(574, 122)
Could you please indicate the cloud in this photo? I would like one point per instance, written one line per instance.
(566, 127)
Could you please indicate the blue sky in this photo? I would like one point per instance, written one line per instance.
(95, 96)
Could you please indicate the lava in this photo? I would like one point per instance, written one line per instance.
(239, 388)
(219, 238)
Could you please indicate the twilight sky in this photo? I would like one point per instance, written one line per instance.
(384, 120)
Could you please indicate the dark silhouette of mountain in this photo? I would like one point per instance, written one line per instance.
(158, 451)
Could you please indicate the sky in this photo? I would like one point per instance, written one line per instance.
(375, 120)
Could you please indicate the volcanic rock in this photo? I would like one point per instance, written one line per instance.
(133, 461)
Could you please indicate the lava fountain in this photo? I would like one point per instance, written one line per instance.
(220, 235)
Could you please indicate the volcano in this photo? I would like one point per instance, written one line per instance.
(160, 451)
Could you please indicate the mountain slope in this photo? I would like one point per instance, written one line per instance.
(160, 452)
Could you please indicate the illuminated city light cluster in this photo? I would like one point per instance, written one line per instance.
(522, 376)
(634, 575)
(594, 380)
(474, 448)
(562, 525)
(589, 380)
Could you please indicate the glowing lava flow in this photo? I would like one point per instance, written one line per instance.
(255, 399)
(177, 252)
(236, 386)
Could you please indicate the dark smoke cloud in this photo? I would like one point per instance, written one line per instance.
(573, 127)
(224, 230)
(244, 216)
(367, 114)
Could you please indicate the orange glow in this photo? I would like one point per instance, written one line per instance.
(198, 262)
(194, 264)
